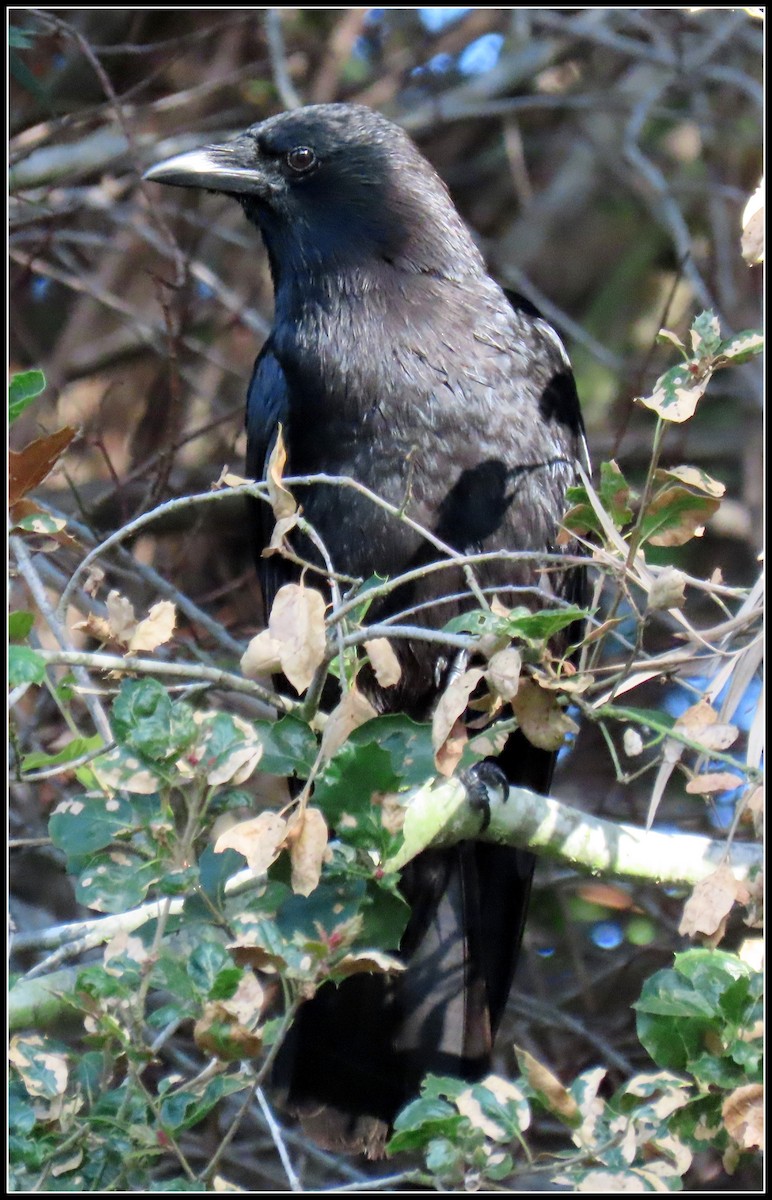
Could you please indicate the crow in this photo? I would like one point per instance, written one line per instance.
(396, 360)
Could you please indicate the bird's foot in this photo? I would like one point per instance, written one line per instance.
(479, 781)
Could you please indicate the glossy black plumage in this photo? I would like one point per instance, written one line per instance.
(395, 359)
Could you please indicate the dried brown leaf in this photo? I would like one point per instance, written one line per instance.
(353, 710)
(219, 1033)
(540, 717)
(559, 1099)
(697, 716)
(29, 467)
(155, 629)
(700, 723)
(384, 661)
(743, 1113)
(121, 617)
(247, 1002)
(307, 837)
(452, 703)
(752, 243)
(297, 624)
(369, 962)
(449, 754)
(278, 540)
(503, 672)
(260, 839)
(668, 590)
(608, 895)
(712, 781)
(710, 903)
(262, 656)
(282, 500)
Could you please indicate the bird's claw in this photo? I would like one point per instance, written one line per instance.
(479, 780)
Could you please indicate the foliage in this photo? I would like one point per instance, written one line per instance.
(225, 904)
(701, 1023)
(138, 825)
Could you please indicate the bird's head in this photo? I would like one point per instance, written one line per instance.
(334, 185)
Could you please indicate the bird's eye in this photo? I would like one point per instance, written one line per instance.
(301, 159)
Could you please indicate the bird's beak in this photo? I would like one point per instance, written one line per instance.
(220, 168)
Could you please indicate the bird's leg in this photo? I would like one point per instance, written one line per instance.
(457, 667)
(479, 781)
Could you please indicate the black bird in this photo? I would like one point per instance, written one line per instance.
(395, 359)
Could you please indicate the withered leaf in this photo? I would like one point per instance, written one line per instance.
(353, 710)
(743, 1113)
(452, 703)
(262, 656)
(503, 672)
(559, 1099)
(282, 500)
(540, 717)
(307, 838)
(260, 839)
(29, 467)
(709, 904)
(384, 661)
(297, 624)
(712, 781)
(155, 629)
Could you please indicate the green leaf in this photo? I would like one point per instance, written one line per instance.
(358, 614)
(421, 1121)
(21, 1114)
(385, 915)
(170, 973)
(479, 623)
(649, 718)
(24, 666)
(38, 1061)
(581, 517)
(667, 993)
(446, 1087)
(145, 720)
(715, 968)
(326, 909)
(706, 335)
(541, 626)
(215, 870)
(344, 789)
(186, 1109)
(123, 770)
(226, 983)
(407, 742)
(116, 883)
(615, 494)
(445, 1158)
(206, 962)
(22, 390)
(75, 749)
(289, 747)
(20, 624)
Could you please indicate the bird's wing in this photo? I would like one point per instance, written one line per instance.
(267, 409)
(561, 397)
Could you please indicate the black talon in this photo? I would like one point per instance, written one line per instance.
(483, 777)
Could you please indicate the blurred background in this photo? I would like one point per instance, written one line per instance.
(602, 158)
